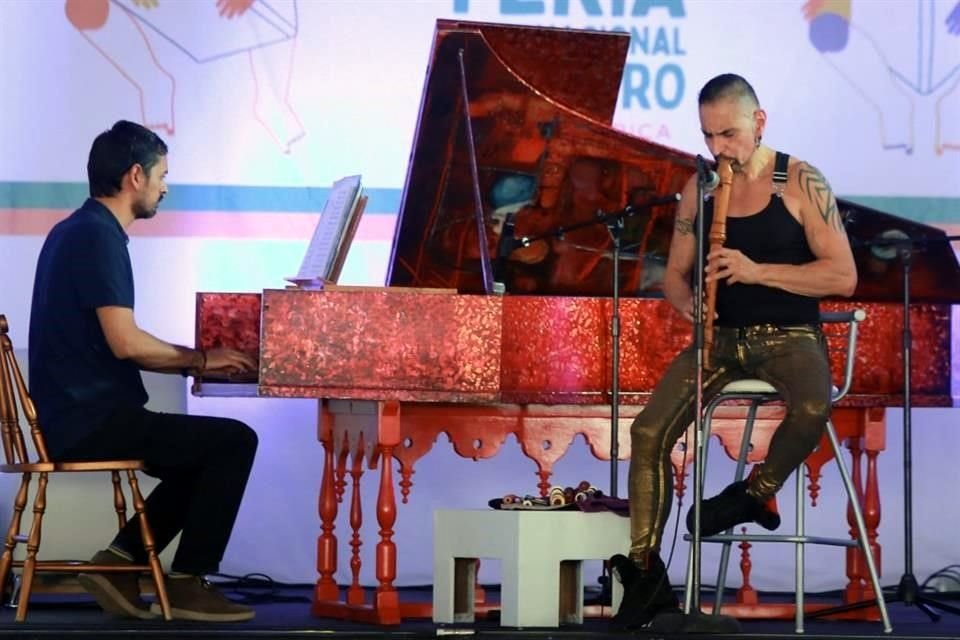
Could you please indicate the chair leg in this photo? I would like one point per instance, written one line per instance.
(799, 548)
(119, 502)
(738, 476)
(862, 539)
(33, 546)
(146, 534)
(699, 473)
(13, 532)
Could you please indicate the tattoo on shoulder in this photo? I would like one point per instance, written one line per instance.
(818, 191)
(683, 226)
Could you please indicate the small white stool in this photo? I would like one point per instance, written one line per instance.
(541, 555)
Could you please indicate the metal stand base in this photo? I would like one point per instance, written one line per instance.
(908, 593)
(693, 622)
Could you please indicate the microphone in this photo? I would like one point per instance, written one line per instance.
(653, 202)
(508, 240)
(710, 180)
(888, 244)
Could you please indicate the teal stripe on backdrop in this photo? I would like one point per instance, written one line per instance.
(928, 210)
(190, 197)
(68, 195)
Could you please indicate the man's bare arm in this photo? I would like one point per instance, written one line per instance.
(683, 246)
(128, 342)
(833, 272)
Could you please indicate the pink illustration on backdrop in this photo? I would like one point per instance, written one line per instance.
(895, 88)
(125, 33)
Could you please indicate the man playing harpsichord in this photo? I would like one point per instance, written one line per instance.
(86, 354)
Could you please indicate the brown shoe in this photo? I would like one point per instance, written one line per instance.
(117, 593)
(193, 598)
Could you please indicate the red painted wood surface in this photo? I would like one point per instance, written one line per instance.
(407, 431)
(414, 346)
(535, 367)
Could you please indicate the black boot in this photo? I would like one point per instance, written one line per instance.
(731, 507)
(646, 591)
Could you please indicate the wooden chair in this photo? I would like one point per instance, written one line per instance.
(17, 460)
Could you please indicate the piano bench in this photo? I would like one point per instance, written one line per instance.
(541, 555)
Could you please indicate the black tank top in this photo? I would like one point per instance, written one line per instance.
(772, 235)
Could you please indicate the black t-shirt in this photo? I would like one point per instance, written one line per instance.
(75, 380)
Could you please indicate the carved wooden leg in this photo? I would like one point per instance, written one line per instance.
(479, 593)
(326, 588)
(871, 517)
(13, 532)
(340, 473)
(856, 567)
(355, 593)
(33, 546)
(544, 484)
(146, 535)
(746, 594)
(871, 431)
(387, 600)
(874, 441)
(119, 503)
(406, 481)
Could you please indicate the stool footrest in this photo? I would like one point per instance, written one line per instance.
(773, 537)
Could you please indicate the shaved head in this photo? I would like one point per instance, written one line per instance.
(725, 87)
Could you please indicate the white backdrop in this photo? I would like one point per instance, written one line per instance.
(263, 109)
(337, 84)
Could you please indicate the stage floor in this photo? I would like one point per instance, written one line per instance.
(284, 613)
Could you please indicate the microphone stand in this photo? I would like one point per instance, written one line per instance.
(908, 590)
(616, 231)
(615, 223)
(694, 620)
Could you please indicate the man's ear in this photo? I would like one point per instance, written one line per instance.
(760, 121)
(135, 176)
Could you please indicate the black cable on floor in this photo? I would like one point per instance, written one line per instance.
(950, 572)
(258, 588)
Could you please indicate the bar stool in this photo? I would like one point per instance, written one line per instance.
(758, 392)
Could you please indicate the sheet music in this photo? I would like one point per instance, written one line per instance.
(328, 235)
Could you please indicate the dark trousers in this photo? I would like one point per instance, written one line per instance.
(203, 464)
(792, 359)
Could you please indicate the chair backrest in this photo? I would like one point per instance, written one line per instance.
(13, 390)
(846, 324)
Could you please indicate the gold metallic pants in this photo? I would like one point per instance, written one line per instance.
(792, 359)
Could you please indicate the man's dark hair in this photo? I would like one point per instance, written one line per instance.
(724, 86)
(116, 150)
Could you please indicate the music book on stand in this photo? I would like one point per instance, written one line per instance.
(327, 252)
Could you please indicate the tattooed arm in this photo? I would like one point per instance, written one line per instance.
(683, 248)
(833, 272)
